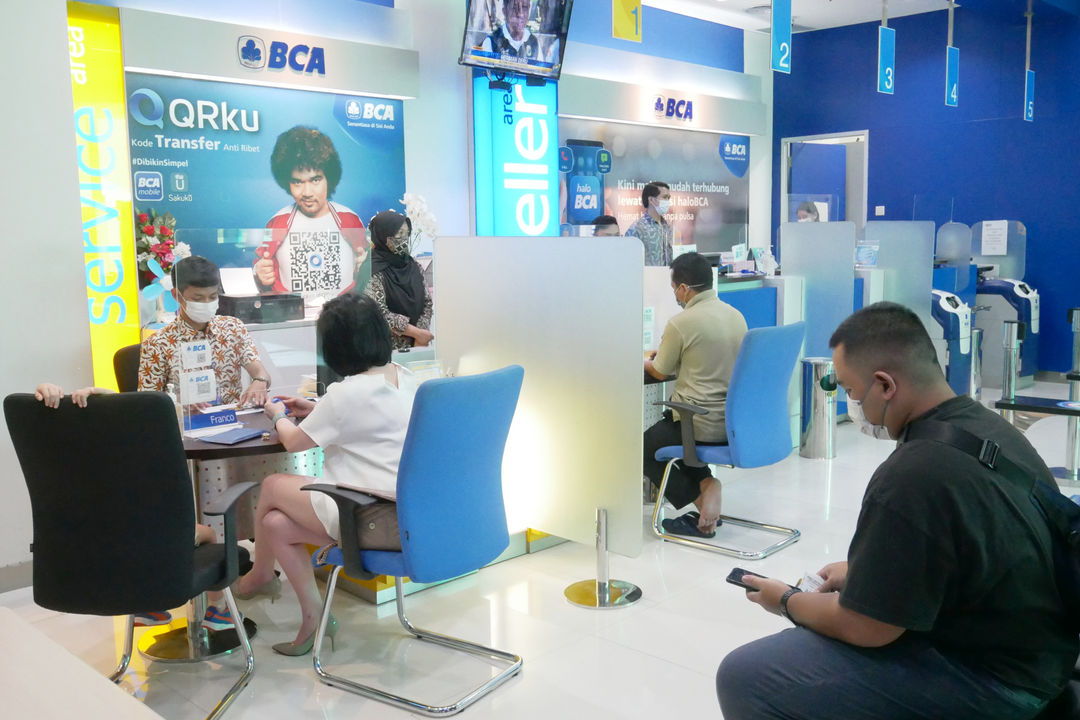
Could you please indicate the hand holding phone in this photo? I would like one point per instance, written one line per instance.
(735, 577)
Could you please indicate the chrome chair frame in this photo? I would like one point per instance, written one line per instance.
(404, 703)
(690, 458)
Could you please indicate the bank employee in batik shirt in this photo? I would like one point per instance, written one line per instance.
(316, 247)
(195, 287)
(651, 228)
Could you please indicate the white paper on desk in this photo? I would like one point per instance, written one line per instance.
(231, 406)
(995, 237)
(238, 281)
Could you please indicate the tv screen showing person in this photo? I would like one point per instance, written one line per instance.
(525, 36)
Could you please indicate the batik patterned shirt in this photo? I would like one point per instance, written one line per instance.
(231, 348)
(655, 237)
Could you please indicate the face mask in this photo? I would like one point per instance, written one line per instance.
(662, 206)
(806, 219)
(199, 312)
(855, 412)
(398, 246)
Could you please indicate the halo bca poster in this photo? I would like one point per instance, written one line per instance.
(706, 172)
(204, 151)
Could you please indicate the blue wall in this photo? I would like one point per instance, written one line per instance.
(980, 158)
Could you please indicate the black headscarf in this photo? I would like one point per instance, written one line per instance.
(401, 276)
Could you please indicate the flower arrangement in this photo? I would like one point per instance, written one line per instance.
(423, 220)
(155, 239)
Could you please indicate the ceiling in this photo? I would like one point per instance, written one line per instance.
(820, 14)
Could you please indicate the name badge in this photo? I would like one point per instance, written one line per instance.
(199, 421)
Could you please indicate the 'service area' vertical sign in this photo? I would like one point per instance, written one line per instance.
(101, 147)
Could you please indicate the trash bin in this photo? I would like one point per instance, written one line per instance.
(818, 423)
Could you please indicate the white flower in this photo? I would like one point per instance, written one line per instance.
(181, 250)
(423, 220)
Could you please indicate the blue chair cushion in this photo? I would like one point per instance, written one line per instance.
(378, 562)
(709, 454)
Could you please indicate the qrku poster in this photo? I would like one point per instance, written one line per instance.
(201, 150)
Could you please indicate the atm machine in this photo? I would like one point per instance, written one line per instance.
(954, 317)
(1000, 249)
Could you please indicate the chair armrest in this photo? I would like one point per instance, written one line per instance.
(347, 501)
(225, 505)
(689, 446)
(683, 407)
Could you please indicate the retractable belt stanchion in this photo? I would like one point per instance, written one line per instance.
(1011, 336)
(1069, 473)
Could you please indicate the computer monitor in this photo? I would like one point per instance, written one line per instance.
(516, 36)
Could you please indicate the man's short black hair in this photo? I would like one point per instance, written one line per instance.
(602, 220)
(652, 189)
(195, 271)
(304, 148)
(890, 337)
(354, 334)
(692, 269)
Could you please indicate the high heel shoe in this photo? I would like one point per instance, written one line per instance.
(270, 588)
(293, 649)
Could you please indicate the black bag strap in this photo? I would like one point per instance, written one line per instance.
(1059, 512)
(985, 451)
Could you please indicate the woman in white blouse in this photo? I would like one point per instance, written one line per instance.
(360, 424)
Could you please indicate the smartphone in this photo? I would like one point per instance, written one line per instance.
(735, 577)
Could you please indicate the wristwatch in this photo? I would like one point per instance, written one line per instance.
(265, 380)
(783, 604)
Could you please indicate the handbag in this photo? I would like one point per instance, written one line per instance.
(377, 526)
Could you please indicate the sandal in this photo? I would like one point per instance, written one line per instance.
(687, 524)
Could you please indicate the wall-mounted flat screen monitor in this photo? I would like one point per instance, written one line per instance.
(516, 36)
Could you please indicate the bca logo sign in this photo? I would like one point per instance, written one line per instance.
(254, 55)
(673, 108)
(356, 110)
(148, 186)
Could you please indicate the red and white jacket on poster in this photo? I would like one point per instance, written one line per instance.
(289, 218)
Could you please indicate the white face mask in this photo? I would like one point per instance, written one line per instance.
(200, 312)
(662, 206)
(855, 412)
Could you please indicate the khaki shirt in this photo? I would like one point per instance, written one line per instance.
(699, 346)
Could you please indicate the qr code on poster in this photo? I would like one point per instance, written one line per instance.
(315, 261)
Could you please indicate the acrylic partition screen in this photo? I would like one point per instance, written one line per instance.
(1002, 243)
(823, 254)
(568, 310)
(906, 255)
(660, 305)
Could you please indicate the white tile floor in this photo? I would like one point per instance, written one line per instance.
(651, 660)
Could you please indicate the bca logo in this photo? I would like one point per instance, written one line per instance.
(251, 51)
(301, 58)
(148, 186)
(378, 111)
(352, 110)
(673, 108)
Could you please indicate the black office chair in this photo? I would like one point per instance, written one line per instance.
(126, 368)
(113, 512)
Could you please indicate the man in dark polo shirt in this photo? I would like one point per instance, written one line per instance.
(947, 605)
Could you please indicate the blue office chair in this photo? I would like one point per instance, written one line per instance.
(450, 512)
(758, 428)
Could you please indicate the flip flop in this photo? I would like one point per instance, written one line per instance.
(686, 525)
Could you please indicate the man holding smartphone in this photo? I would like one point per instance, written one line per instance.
(947, 605)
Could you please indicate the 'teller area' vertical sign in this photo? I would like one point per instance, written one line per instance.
(781, 36)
